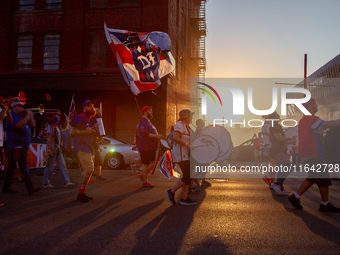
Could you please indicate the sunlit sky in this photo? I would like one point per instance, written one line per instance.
(268, 38)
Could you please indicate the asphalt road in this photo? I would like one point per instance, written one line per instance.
(233, 216)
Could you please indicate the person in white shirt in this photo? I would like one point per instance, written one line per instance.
(181, 156)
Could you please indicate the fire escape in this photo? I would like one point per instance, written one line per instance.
(199, 28)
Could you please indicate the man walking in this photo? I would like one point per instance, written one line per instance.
(181, 155)
(55, 154)
(18, 137)
(147, 144)
(84, 132)
(312, 152)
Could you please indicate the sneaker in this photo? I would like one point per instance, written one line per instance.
(83, 198)
(33, 190)
(267, 180)
(295, 202)
(148, 185)
(101, 178)
(2, 204)
(171, 196)
(153, 173)
(90, 180)
(194, 191)
(68, 185)
(141, 177)
(47, 186)
(328, 208)
(277, 189)
(187, 201)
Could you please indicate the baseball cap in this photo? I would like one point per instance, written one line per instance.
(145, 108)
(86, 103)
(311, 101)
(185, 113)
(15, 104)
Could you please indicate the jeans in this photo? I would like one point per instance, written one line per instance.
(59, 159)
(281, 176)
(23, 168)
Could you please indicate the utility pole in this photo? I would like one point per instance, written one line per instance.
(305, 73)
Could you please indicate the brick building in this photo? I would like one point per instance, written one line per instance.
(59, 47)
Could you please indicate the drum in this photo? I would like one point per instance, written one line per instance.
(204, 149)
(164, 145)
(331, 145)
(222, 136)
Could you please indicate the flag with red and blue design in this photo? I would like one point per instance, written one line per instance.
(167, 167)
(143, 58)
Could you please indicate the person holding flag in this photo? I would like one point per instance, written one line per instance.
(147, 144)
(54, 153)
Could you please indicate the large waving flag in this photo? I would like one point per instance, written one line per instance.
(142, 57)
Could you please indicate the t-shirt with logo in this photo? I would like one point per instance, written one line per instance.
(179, 152)
(310, 136)
(145, 143)
(84, 143)
(17, 137)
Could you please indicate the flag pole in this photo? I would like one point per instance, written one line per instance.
(71, 105)
(140, 115)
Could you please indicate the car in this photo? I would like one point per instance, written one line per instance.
(116, 154)
(243, 152)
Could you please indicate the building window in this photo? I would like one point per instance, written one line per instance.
(26, 5)
(51, 52)
(97, 50)
(99, 3)
(53, 4)
(128, 2)
(24, 56)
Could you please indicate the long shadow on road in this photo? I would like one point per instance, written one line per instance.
(166, 232)
(65, 239)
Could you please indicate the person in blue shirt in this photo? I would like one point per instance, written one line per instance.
(84, 130)
(18, 137)
(147, 144)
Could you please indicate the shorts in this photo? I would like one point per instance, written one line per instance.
(185, 168)
(86, 161)
(321, 179)
(147, 156)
